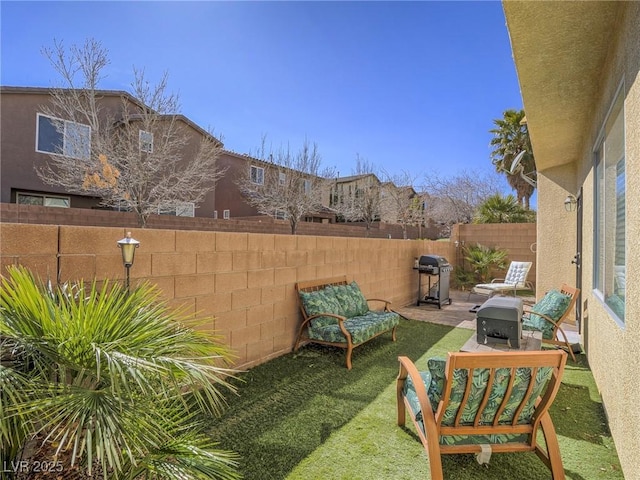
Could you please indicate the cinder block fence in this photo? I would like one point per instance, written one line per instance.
(241, 284)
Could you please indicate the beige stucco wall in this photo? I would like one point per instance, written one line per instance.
(613, 349)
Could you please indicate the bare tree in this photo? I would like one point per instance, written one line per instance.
(140, 155)
(401, 203)
(358, 198)
(285, 185)
(451, 200)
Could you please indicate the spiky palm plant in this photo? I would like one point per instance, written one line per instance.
(483, 260)
(109, 382)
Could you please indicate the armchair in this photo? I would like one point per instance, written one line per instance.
(482, 403)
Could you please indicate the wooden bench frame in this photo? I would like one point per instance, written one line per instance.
(315, 285)
(433, 428)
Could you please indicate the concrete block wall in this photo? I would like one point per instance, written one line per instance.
(518, 239)
(240, 284)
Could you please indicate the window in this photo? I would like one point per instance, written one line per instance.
(280, 214)
(215, 214)
(179, 209)
(307, 186)
(43, 200)
(257, 175)
(282, 178)
(609, 211)
(146, 141)
(62, 137)
(226, 214)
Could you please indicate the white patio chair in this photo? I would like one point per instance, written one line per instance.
(515, 278)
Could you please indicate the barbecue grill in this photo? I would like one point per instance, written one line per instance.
(438, 272)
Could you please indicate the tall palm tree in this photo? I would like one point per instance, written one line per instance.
(100, 381)
(510, 137)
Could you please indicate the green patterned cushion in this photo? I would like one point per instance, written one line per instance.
(321, 301)
(351, 300)
(479, 386)
(361, 328)
(553, 305)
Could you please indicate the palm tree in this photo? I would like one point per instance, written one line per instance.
(105, 382)
(499, 209)
(510, 137)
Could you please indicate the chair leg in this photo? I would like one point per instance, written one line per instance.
(349, 352)
(552, 458)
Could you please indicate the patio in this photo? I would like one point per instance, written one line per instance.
(305, 416)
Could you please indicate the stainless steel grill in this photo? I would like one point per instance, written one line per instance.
(438, 272)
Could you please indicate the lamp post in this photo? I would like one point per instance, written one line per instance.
(128, 247)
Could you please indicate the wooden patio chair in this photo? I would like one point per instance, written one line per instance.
(548, 314)
(483, 403)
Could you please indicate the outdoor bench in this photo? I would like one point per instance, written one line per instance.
(336, 313)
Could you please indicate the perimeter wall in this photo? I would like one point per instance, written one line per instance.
(241, 284)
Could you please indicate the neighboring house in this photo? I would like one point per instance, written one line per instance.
(355, 188)
(230, 201)
(578, 66)
(28, 137)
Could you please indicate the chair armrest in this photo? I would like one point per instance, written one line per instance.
(386, 302)
(408, 369)
(498, 280)
(556, 326)
(341, 321)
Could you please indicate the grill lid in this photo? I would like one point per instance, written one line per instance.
(433, 261)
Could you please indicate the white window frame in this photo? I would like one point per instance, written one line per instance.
(226, 214)
(215, 214)
(68, 128)
(307, 186)
(257, 175)
(47, 200)
(280, 214)
(609, 233)
(145, 140)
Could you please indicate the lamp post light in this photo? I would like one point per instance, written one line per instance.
(128, 247)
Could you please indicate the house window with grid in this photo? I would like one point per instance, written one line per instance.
(610, 213)
(226, 214)
(146, 141)
(282, 178)
(257, 175)
(43, 200)
(307, 186)
(62, 137)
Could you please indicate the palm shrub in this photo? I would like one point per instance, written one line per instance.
(483, 260)
(499, 209)
(108, 382)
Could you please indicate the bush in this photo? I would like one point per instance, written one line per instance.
(105, 382)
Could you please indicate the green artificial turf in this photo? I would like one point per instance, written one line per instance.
(305, 416)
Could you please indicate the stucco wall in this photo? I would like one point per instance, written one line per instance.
(613, 349)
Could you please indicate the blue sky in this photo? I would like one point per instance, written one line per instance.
(409, 86)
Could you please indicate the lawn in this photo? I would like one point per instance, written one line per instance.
(305, 416)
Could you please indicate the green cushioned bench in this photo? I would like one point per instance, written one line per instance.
(336, 313)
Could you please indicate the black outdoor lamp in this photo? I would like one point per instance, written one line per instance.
(128, 247)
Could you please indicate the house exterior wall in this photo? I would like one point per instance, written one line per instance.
(19, 159)
(613, 349)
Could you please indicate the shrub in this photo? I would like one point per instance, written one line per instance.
(107, 382)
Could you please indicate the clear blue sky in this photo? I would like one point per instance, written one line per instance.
(406, 85)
